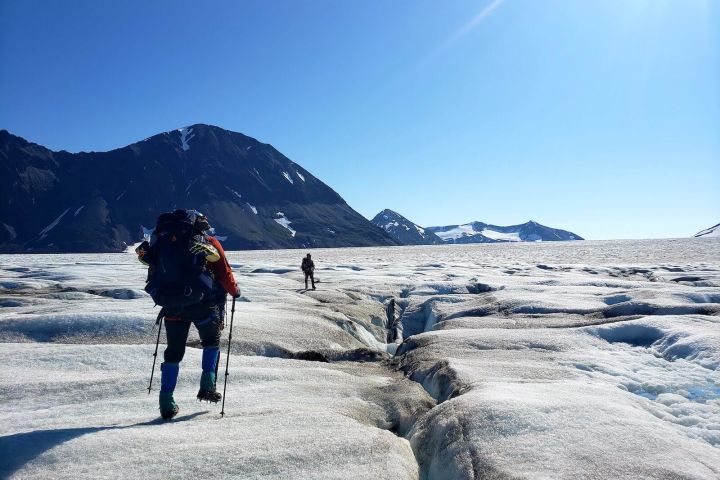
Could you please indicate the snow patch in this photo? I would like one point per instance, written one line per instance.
(234, 192)
(147, 232)
(300, 175)
(287, 177)
(190, 184)
(53, 224)
(185, 136)
(252, 207)
(503, 237)
(459, 231)
(389, 225)
(284, 222)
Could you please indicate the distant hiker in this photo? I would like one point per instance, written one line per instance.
(188, 276)
(308, 268)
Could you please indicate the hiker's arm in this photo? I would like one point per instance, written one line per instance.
(222, 271)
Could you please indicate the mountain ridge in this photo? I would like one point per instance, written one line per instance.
(711, 232)
(101, 201)
(403, 230)
(409, 233)
(481, 232)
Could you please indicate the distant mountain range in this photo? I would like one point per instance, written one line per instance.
(479, 232)
(408, 233)
(713, 232)
(253, 195)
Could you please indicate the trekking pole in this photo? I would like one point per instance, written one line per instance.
(227, 362)
(217, 364)
(157, 343)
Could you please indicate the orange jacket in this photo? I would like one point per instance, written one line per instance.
(221, 269)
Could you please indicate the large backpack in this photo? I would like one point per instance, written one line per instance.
(177, 278)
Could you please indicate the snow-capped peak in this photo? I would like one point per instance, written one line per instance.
(403, 230)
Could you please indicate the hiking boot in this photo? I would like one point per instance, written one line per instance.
(168, 407)
(212, 396)
(207, 392)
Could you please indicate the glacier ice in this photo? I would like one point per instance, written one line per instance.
(543, 360)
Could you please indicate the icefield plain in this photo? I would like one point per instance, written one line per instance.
(564, 360)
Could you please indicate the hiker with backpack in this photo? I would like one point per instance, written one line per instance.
(189, 277)
(308, 268)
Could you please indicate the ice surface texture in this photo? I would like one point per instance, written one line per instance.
(564, 360)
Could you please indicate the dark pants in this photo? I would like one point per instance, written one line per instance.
(177, 333)
(312, 279)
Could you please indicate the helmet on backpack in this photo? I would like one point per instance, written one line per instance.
(199, 221)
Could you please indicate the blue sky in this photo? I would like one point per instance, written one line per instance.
(598, 116)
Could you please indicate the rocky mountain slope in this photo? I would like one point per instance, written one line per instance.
(254, 196)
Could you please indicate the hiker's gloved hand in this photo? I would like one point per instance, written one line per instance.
(206, 250)
(142, 251)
